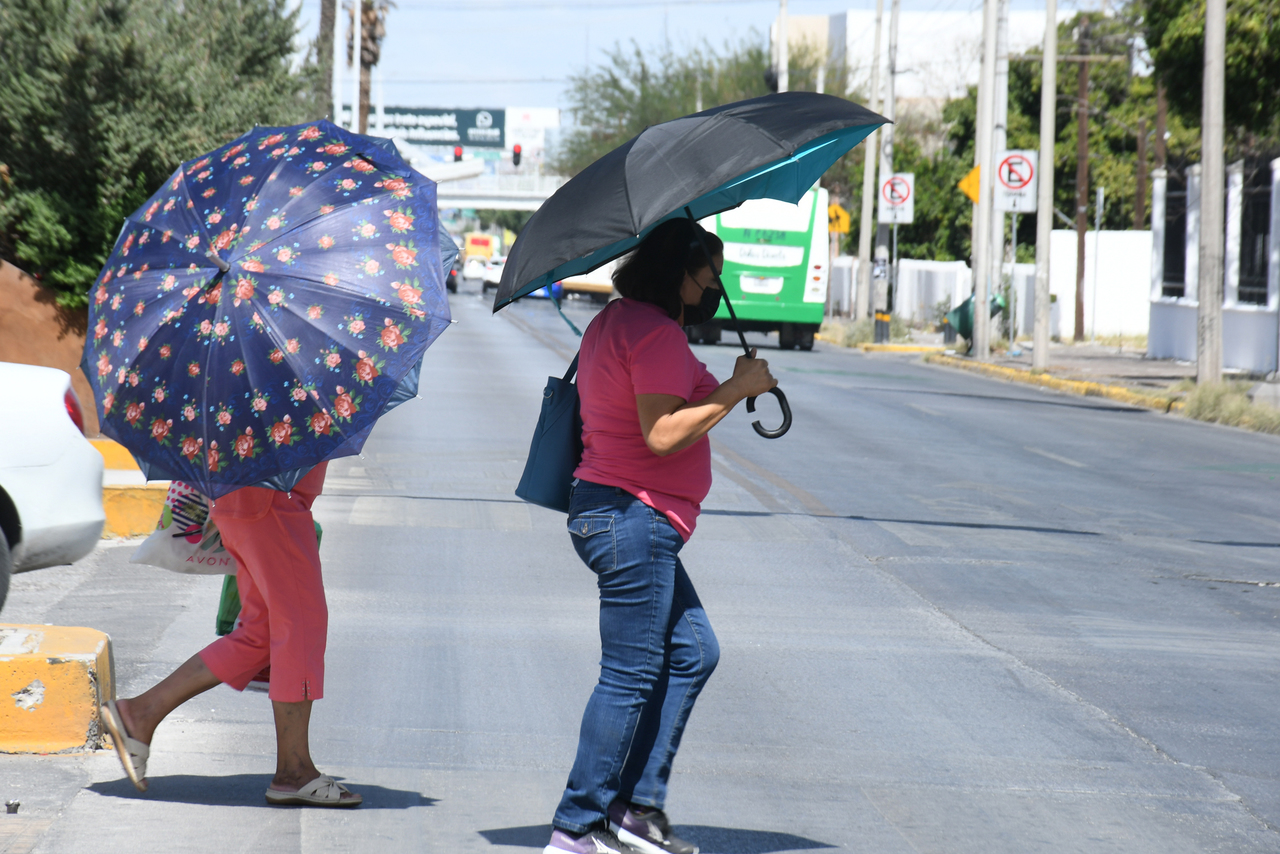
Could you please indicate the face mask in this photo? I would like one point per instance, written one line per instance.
(706, 308)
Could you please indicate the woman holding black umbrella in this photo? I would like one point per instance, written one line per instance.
(647, 406)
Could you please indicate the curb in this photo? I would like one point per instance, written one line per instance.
(114, 455)
(884, 348)
(58, 677)
(1083, 388)
(900, 348)
(132, 511)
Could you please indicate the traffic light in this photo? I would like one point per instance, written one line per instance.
(457, 153)
(515, 155)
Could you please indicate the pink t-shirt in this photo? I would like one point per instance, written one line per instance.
(633, 348)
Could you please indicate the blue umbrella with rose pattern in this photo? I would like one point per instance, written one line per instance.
(258, 313)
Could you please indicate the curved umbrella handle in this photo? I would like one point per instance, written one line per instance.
(786, 415)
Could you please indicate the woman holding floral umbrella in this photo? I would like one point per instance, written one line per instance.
(255, 318)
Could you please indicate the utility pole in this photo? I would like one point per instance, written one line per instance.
(1213, 176)
(335, 64)
(862, 306)
(1044, 202)
(886, 155)
(1082, 177)
(784, 57)
(1140, 200)
(356, 15)
(1162, 122)
(1000, 143)
(324, 50)
(986, 166)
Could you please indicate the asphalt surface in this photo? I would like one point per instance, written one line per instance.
(956, 615)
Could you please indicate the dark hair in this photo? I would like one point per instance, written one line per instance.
(654, 271)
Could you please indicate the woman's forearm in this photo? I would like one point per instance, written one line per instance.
(669, 424)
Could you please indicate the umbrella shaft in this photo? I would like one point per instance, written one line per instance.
(723, 291)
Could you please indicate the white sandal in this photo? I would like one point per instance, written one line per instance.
(323, 791)
(133, 753)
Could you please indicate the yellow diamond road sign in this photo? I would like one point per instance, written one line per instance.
(837, 219)
(969, 185)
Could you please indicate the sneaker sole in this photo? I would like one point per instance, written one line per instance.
(637, 842)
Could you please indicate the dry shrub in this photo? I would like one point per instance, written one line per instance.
(1228, 403)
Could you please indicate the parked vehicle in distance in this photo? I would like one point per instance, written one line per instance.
(477, 244)
(451, 281)
(493, 271)
(598, 284)
(555, 291)
(473, 268)
(50, 476)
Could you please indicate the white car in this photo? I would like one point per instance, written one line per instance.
(50, 476)
(473, 268)
(493, 271)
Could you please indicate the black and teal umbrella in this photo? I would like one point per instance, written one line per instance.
(773, 147)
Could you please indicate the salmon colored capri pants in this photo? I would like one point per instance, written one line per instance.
(284, 620)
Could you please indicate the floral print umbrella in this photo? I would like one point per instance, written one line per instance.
(258, 313)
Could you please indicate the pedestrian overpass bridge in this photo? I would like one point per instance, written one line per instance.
(498, 192)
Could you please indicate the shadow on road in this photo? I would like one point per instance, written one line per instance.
(711, 840)
(245, 790)
(983, 526)
(1239, 544)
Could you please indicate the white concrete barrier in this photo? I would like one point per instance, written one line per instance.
(1117, 289)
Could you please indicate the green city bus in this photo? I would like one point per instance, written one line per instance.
(776, 269)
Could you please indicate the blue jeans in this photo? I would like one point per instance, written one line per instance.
(657, 651)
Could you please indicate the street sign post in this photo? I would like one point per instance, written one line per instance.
(1016, 180)
(837, 219)
(898, 199)
(969, 184)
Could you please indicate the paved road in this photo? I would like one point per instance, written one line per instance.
(956, 616)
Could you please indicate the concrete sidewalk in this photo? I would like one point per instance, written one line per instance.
(1087, 362)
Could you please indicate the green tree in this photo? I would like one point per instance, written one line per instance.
(1175, 35)
(634, 89)
(99, 102)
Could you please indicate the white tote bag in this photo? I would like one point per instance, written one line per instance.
(186, 540)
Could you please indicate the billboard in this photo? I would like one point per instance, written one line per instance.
(440, 126)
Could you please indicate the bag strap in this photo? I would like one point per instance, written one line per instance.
(573, 368)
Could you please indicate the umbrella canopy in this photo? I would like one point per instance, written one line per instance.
(773, 147)
(266, 305)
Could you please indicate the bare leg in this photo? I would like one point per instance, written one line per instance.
(143, 713)
(294, 768)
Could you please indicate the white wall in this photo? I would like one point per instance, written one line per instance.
(1123, 286)
(1249, 334)
(924, 284)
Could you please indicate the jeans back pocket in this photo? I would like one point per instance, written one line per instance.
(594, 540)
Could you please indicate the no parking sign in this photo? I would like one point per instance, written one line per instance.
(898, 199)
(1016, 179)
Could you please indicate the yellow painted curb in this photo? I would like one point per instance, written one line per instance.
(1081, 387)
(132, 511)
(53, 679)
(899, 348)
(885, 348)
(114, 455)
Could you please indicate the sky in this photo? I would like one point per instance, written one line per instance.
(499, 53)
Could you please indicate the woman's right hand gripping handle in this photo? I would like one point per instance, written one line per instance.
(755, 379)
(752, 377)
